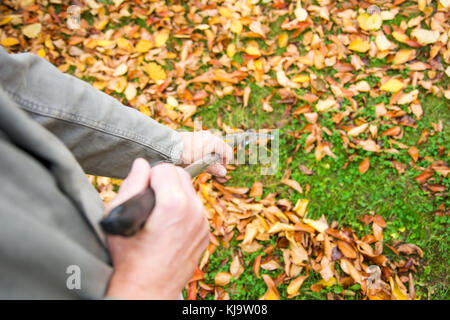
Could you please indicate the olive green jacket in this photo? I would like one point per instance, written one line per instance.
(55, 128)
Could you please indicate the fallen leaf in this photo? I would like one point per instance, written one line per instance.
(414, 153)
(257, 190)
(424, 36)
(32, 30)
(346, 249)
(222, 278)
(295, 285)
(155, 71)
(364, 165)
(393, 85)
(293, 184)
(143, 46)
(359, 45)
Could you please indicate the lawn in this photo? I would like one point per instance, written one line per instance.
(371, 85)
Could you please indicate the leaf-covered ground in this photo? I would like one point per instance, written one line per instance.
(360, 94)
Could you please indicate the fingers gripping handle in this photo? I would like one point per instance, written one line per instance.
(129, 217)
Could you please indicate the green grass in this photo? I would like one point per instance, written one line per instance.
(345, 195)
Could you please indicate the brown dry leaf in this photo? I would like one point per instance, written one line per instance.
(350, 269)
(369, 145)
(272, 292)
(257, 190)
(295, 285)
(236, 269)
(346, 249)
(293, 184)
(414, 153)
(305, 170)
(358, 130)
(32, 30)
(410, 249)
(394, 131)
(222, 278)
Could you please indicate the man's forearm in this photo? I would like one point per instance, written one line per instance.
(104, 135)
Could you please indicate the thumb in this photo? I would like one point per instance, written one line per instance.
(217, 170)
(137, 180)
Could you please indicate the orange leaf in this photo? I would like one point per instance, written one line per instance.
(423, 137)
(424, 176)
(272, 292)
(346, 249)
(192, 291)
(256, 265)
(295, 285)
(364, 165)
(222, 278)
(293, 184)
(414, 153)
(257, 190)
(392, 131)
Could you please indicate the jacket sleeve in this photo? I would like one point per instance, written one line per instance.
(104, 135)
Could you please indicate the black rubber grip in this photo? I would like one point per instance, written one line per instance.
(129, 217)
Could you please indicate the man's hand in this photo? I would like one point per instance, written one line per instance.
(198, 144)
(159, 260)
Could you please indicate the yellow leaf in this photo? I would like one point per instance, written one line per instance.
(41, 52)
(331, 282)
(301, 78)
(161, 38)
(324, 105)
(120, 70)
(400, 37)
(5, 20)
(236, 26)
(120, 84)
(100, 25)
(403, 56)
(397, 291)
(278, 227)
(370, 22)
(32, 30)
(9, 42)
(283, 40)
(393, 85)
(300, 207)
(295, 285)
(123, 43)
(99, 85)
(382, 42)
(105, 43)
(155, 71)
(143, 46)
(359, 45)
(231, 50)
(224, 11)
(424, 36)
(320, 225)
(130, 91)
(253, 51)
(145, 110)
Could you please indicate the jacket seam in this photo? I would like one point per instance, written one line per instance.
(92, 124)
